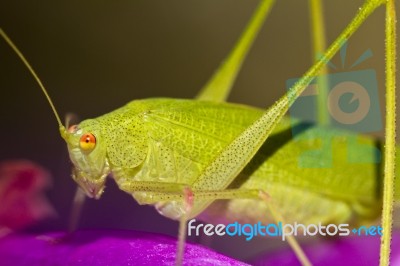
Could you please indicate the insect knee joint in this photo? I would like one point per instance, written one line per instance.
(188, 198)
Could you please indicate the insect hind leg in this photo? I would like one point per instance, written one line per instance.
(256, 194)
(291, 239)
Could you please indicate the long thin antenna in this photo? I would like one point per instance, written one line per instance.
(26, 63)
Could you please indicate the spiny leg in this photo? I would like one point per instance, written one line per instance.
(291, 239)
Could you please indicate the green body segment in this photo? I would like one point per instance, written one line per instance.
(172, 140)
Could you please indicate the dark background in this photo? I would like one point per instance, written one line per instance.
(95, 56)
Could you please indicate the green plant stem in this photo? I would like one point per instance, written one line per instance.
(319, 46)
(390, 138)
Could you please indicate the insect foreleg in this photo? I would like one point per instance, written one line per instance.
(163, 191)
(77, 204)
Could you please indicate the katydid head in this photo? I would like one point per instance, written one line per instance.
(88, 155)
(89, 158)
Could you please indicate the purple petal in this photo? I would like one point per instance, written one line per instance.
(102, 247)
(345, 251)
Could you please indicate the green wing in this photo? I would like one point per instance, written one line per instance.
(186, 135)
(198, 131)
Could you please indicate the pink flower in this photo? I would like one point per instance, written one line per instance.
(22, 197)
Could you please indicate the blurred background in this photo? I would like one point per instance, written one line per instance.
(95, 56)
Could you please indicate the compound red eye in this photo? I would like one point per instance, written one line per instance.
(87, 142)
